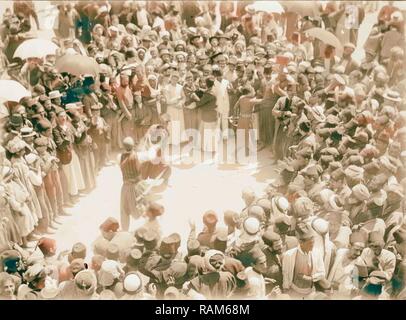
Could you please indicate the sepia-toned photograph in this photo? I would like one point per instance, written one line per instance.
(202, 150)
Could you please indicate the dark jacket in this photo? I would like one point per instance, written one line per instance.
(273, 269)
(63, 139)
(207, 105)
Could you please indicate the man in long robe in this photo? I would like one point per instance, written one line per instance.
(132, 193)
(342, 272)
(126, 103)
(302, 266)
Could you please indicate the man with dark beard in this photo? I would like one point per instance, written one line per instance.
(341, 273)
(212, 282)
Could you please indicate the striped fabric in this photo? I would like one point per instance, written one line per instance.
(133, 202)
(303, 265)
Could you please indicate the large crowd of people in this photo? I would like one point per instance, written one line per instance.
(331, 226)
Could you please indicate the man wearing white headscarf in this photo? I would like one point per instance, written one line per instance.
(322, 242)
(213, 282)
(133, 288)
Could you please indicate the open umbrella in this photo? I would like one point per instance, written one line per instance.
(268, 6)
(11, 90)
(77, 65)
(35, 48)
(302, 8)
(325, 36)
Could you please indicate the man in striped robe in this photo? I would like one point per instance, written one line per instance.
(133, 202)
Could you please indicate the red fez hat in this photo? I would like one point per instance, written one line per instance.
(167, 246)
(46, 244)
(384, 137)
(111, 224)
(210, 218)
(155, 209)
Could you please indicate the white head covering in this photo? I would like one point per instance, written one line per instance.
(128, 141)
(320, 226)
(209, 254)
(109, 271)
(251, 225)
(132, 283)
(326, 194)
(164, 33)
(279, 205)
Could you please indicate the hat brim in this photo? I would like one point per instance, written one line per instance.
(32, 134)
(194, 37)
(214, 56)
(49, 293)
(391, 99)
(248, 238)
(180, 53)
(165, 53)
(106, 279)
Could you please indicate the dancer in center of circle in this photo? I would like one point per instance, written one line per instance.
(133, 201)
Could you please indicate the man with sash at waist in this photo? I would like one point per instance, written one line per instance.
(126, 103)
(133, 202)
(302, 267)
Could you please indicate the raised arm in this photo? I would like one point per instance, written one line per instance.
(205, 100)
(236, 108)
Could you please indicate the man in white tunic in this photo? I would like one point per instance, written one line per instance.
(175, 98)
(220, 90)
(341, 274)
(302, 266)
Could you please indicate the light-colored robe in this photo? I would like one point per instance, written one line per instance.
(288, 266)
(341, 272)
(387, 261)
(220, 90)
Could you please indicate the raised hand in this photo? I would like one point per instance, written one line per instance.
(192, 224)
